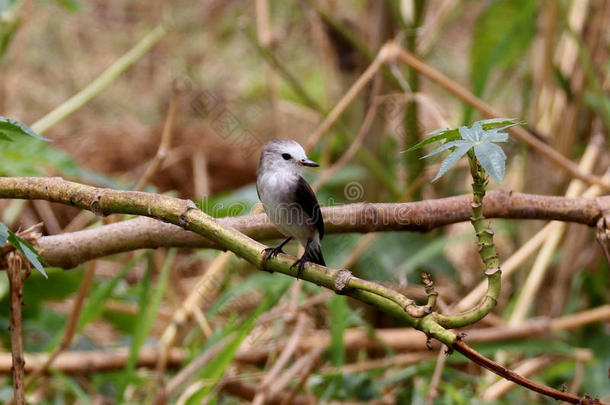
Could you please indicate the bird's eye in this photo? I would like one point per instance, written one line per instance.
(286, 156)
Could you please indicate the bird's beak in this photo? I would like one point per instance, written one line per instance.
(307, 162)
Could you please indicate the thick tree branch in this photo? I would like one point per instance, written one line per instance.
(71, 249)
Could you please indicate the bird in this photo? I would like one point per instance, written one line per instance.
(289, 201)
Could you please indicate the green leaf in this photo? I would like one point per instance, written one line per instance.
(26, 156)
(28, 251)
(492, 158)
(480, 136)
(445, 146)
(451, 134)
(9, 126)
(4, 232)
(452, 159)
(447, 134)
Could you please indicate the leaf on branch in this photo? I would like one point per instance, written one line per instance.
(10, 127)
(451, 134)
(480, 137)
(28, 251)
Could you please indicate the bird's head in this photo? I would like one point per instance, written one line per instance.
(284, 155)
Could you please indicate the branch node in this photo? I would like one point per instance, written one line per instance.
(340, 280)
(416, 311)
(95, 205)
(493, 270)
(182, 219)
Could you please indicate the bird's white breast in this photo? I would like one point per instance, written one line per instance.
(277, 191)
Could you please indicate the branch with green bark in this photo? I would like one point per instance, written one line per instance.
(184, 214)
(487, 251)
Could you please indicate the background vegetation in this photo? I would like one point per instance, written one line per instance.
(228, 76)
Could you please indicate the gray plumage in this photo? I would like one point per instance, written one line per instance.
(288, 200)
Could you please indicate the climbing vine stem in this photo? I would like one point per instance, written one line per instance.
(487, 251)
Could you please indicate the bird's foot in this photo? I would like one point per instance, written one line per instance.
(300, 263)
(270, 253)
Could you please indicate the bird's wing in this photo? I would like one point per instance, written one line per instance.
(306, 198)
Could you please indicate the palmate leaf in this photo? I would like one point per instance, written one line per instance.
(492, 158)
(480, 137)
(9, 127)
(452, 134)
(452, 159)
(438, 135)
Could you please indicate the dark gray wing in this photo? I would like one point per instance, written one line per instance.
(305, 197)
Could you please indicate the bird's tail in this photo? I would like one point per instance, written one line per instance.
(314, 253)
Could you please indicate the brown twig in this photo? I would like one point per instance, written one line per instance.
(529, 367)
(16, 291)
(524, 369)
(507, 374)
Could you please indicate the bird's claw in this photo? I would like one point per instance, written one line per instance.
(270, 253)
(300, 263)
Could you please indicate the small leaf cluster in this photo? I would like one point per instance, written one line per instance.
(10, 128)
(481, 138)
